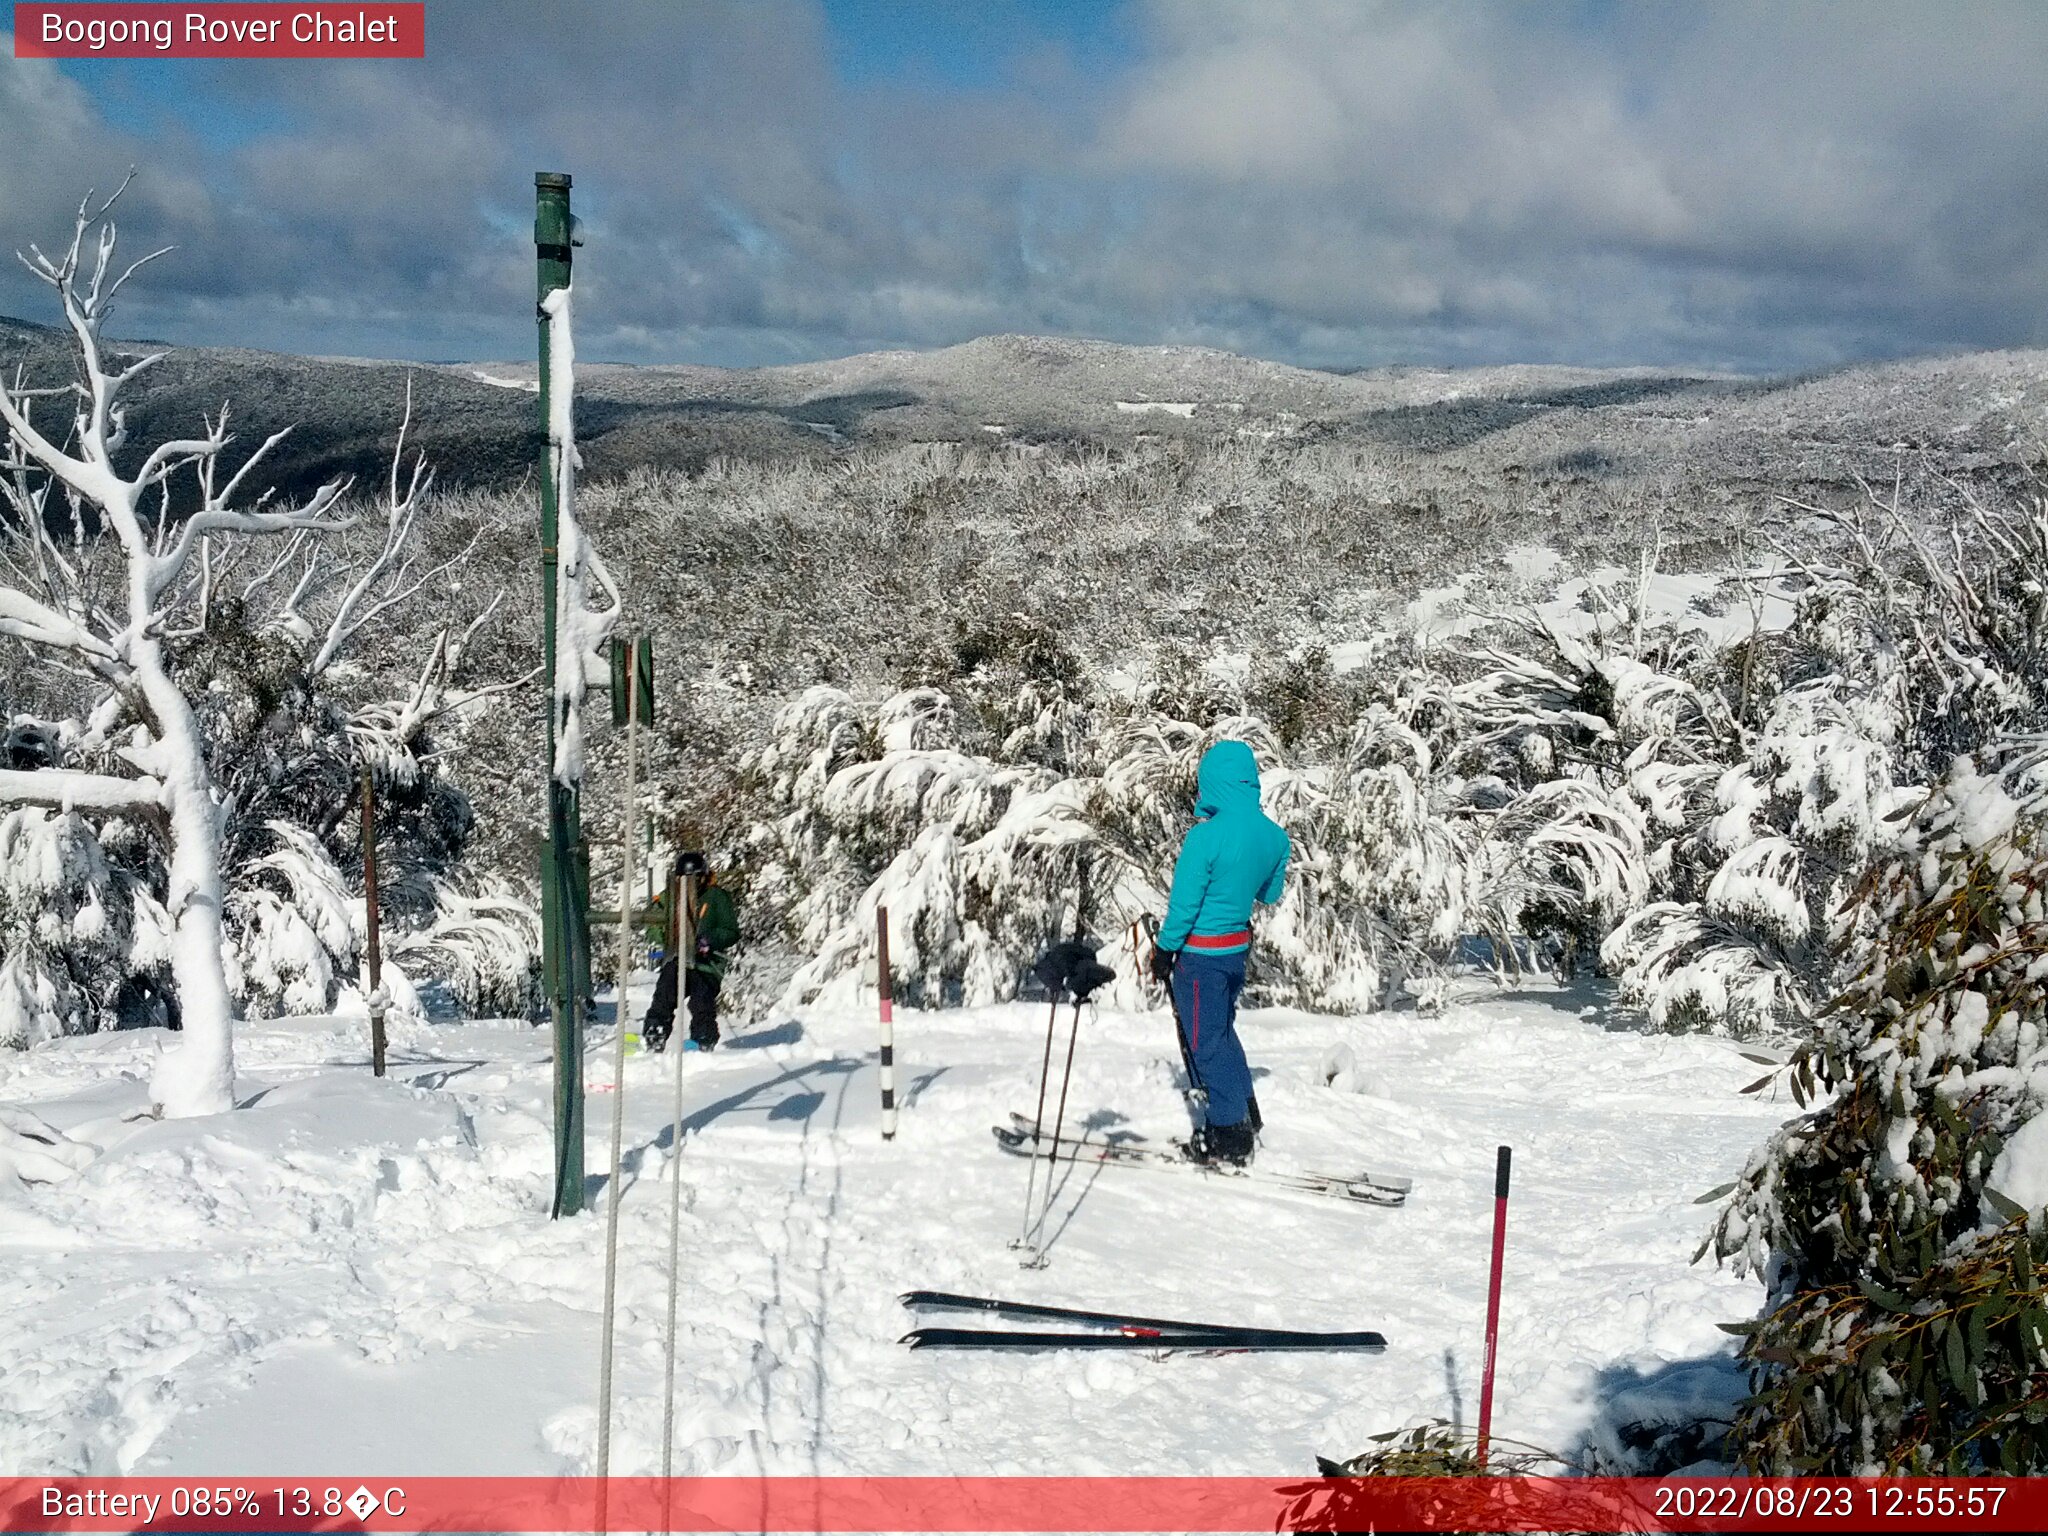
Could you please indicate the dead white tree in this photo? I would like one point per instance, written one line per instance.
(98, 574)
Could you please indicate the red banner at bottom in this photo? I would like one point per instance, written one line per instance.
(1026, 1504)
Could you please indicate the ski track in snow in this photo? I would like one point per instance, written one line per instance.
(347, 1274)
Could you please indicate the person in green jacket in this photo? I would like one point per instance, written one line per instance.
(718, 930)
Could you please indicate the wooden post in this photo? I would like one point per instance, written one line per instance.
(888, 1007)
(374, 993)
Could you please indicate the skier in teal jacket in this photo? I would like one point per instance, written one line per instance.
(1233, 857)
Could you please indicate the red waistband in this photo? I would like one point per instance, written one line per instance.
(1220, 940)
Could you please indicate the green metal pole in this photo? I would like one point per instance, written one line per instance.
(552, 241)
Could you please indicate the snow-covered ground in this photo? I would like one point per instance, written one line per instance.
(361, 1274)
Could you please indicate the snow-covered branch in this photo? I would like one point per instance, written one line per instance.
(391, 568)
(68, 789)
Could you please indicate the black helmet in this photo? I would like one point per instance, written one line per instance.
(693, 863)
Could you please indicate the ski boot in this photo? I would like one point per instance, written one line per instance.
(1222, 1145)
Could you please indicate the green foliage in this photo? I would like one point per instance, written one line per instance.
(1439, 1448)
(1303, 699)
(1943, 1375)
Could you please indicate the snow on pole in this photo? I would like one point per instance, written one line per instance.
(887, 1004)
(373, 951)
(580, 629)
(1500, 1238)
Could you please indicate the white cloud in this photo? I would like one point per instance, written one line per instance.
(1321, 180)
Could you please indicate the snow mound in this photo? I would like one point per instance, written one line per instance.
(35, 1152)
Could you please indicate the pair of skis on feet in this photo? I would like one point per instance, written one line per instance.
(1077, 1145)
(1108, 1330)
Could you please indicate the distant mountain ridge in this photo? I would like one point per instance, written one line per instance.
(479, 421)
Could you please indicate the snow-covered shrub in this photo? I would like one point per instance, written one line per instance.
(1561, 863)
(484, 943)
(1902, 1228)
(979, 848)
(1951, 623)
(1911, 645)
(1378, 887)
(81, 940)
(292, 925)
(1770, 848)
(287, 750)
(1549, 700)
(975, 859)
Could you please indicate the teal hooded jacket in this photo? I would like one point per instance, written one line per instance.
(1235, 855)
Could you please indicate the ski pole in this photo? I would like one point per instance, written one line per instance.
(1500, 1238)
(1197, 1095)
(1052, 1020)
(686, 932)
(887, 1001)
(619, 1018)
(1059, 1120)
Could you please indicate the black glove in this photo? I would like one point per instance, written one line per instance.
(1087, 976)
(1162, 965)
(1072, 967)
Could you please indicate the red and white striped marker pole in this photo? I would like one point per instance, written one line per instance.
(1500, 1241)
(888, 1006)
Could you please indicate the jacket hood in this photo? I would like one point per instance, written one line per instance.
(1227, 780)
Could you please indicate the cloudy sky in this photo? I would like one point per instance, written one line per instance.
(1330, 182)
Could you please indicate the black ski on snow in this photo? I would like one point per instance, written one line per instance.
(996, 1306)
(1214, 1341)
(1363, 1188)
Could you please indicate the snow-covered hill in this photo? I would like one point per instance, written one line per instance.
(348, 1272)
(1971, 412)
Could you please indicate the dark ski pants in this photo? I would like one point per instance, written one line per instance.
(1205, 993)
(700, 988)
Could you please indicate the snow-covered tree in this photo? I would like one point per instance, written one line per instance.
(118, 566)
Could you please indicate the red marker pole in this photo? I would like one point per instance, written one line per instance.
(1500, 1242)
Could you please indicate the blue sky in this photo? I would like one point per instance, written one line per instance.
(970, 47)
(1330, 182)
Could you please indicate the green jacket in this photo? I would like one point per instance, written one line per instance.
(718, 929)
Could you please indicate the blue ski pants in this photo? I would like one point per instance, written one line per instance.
(1205, 993)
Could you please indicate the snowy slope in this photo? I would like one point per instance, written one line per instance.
(353, 1274)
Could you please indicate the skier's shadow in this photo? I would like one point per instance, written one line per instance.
(788, 1032)
(796, 1107)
